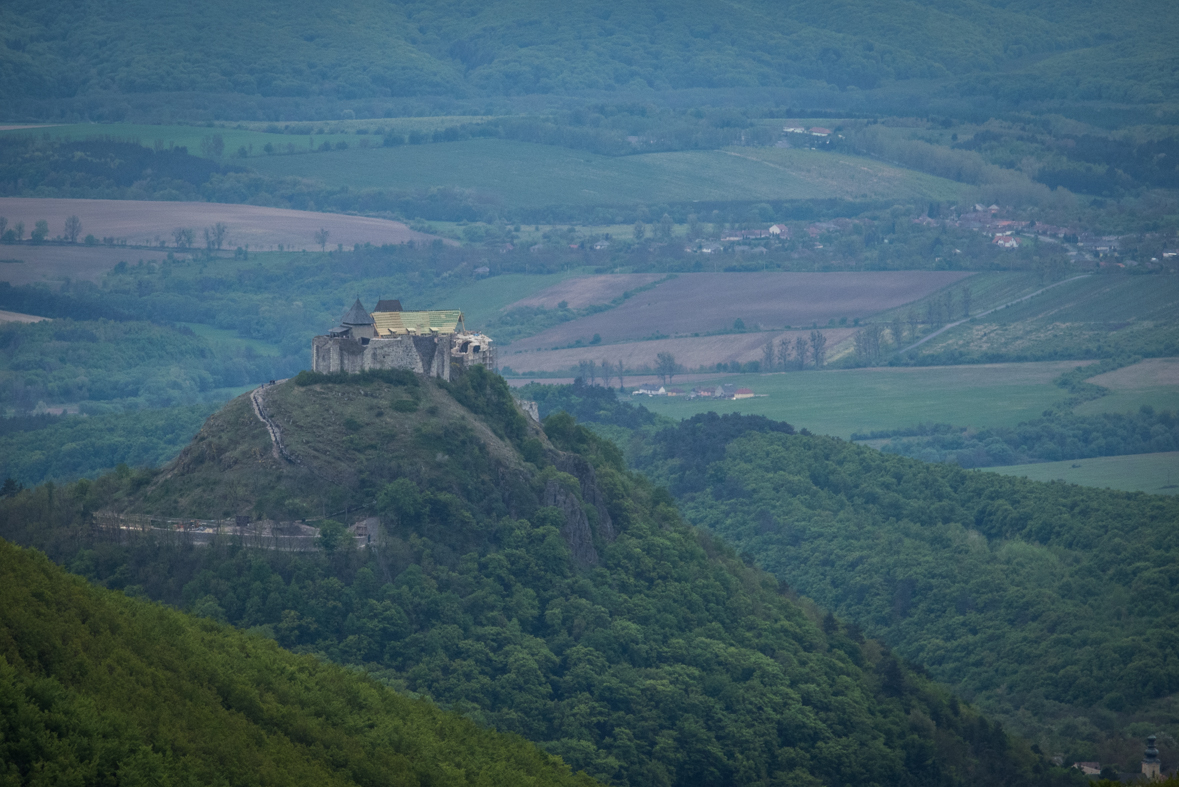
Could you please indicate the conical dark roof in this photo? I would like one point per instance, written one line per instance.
(357, 315)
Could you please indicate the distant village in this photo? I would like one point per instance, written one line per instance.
(703, 392)
(1006, 233)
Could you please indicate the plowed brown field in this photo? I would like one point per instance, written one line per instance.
(707, 302)
(582, 291)
(148, 223)
(690, 352)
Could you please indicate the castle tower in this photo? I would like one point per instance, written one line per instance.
(360, 321)
(1151, 767)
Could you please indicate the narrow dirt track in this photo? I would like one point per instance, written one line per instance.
(278, 450)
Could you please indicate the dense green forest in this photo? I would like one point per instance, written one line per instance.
(34, 449)
(65, 57)
(1050, 605)
(529, 580)
(100, 688)
(118, 364)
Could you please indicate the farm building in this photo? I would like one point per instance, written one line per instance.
(432, 343)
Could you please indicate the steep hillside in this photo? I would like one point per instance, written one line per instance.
(532, 582)
(344, 438)
(98, 688)
(365, 50)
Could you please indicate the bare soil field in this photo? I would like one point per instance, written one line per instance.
(706, 302)
(18, 317)
(690, 351)
(54, 263)
(1148, 373)
(149, 223)
(582, 291)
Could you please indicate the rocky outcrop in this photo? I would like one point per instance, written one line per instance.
(580, 468)
(576, 530)
(581, 531)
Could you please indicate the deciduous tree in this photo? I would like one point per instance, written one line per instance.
(818, 349)
(73, 228)
(665, 366)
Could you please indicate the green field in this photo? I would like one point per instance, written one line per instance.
(523, 174)
(856, 177)
(840, 402)
(1154, 473)
(1128, 400)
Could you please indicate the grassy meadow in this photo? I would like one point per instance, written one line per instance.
(840, 402)
(524, 174)
(1153, 382)
(1154, 473)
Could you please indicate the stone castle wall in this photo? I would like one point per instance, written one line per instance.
(427, 355)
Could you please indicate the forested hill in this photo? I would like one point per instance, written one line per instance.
(98, 688)
(529, 580)
(1109, 50)
(1053, 606)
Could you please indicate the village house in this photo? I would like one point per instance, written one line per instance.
(743, 393)
(647, 389)
(1006, 241)
(435, 343)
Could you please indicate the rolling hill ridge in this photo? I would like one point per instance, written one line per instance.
(526, 578)
(365, 50)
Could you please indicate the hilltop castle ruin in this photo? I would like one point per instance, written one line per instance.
(432, 342)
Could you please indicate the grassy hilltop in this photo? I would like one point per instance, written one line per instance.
(528, 579)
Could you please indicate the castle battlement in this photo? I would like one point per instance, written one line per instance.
(431, 343)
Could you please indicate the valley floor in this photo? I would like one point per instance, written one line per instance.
(1153, 473)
